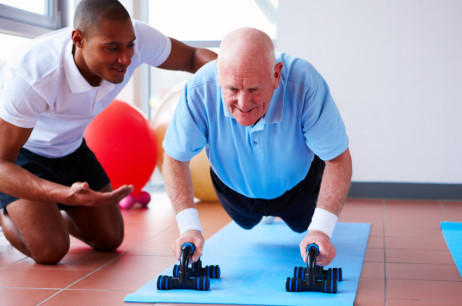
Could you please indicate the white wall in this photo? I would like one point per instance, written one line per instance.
(132, 91)
(395, 70)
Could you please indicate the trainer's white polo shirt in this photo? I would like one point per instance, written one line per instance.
(43, 89)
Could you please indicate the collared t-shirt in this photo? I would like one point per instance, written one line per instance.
(44, 90)
(271, 157)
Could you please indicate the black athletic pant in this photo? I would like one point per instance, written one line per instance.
(295, 206)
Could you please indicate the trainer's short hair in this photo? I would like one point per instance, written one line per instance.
(89, 14)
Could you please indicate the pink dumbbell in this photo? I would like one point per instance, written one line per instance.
(143, 198)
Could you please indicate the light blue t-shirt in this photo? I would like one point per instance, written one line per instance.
(271, 157)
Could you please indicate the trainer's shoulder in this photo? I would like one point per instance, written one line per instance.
(43, 57)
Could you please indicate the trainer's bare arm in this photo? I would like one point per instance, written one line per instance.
(20, 183)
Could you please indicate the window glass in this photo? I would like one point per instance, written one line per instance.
(33, 6)
(37, 16)
(14, 43)
(207, 19)
(204, 21)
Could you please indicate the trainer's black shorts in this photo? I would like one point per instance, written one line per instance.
(79, 166)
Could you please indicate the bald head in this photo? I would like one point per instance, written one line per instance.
(247, 47)
(90, 13)
(247, 74)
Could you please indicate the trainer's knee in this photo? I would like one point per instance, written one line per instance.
(109, 241)
(50, 254)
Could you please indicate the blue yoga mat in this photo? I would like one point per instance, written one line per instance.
(256, 263)
(452, 232)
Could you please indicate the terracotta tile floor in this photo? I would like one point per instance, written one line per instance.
(407, 261)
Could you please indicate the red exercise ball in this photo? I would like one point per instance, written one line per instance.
(121, 138)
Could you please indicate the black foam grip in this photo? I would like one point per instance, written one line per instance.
(164, 282)
(213, 271)
(202, 283)
(329, 286)
(293, 285)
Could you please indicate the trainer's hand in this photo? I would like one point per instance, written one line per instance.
(327, 250)
(194, 237)
(80, 194)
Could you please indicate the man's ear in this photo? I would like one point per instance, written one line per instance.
(77, 38)
(277, 74)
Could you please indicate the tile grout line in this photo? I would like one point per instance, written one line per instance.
(13, 262)
(446, 212)
(384, 252)
(83, 277)
(94, 271)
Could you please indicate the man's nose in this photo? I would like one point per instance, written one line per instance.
(243, 100)
(125, 58)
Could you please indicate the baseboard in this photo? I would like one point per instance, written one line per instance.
(405, 190)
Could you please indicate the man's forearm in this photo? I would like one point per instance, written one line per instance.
(178, 183)
(202, 57)
(20, 183)
(179, 187)
(335, 183)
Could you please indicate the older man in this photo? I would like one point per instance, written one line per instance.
(48, 95)
(274, 138)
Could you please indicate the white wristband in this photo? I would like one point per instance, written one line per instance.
(323, 221)
(188, 220)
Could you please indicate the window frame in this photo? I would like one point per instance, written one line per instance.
(20, 22)
(266, 6)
